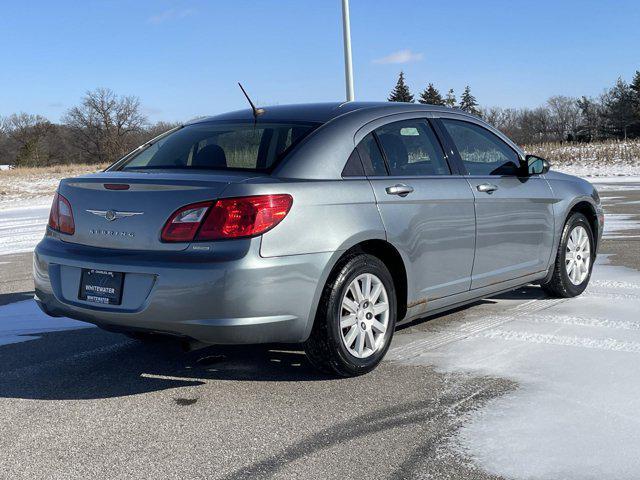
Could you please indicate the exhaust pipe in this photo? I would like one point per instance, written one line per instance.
(191, 345)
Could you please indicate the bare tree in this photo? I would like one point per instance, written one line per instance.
(28, 134)
(105, 125)
(564, 117)
(591, 115)
(507, 120)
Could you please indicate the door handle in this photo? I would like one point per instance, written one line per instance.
(400, 189)
(487, 188)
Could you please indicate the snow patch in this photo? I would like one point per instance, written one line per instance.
(617, 223)
(575, 413)
(23, 321)
(22, 228)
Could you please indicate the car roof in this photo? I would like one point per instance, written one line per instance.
(319, 112)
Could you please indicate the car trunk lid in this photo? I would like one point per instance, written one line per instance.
(127, 210)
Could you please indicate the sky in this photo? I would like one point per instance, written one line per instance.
(183, 58)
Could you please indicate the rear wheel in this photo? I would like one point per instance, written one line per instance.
(356, 318)
(574, 259)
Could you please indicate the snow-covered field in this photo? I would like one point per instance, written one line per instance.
(22, 186)
(605, 158)
(574, 414)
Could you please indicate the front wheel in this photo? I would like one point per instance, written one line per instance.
(574, 259)
(356, 318)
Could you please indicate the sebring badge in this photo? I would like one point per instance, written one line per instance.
(112, 215)
(111, 233)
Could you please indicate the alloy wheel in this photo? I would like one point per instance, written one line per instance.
(364, 316)
(578, 255)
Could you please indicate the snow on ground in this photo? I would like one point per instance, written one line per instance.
(22, 228)
(22, 321)
(590, 172)
(575, 413)
(627, 179)
(617, 224)
(21, 187)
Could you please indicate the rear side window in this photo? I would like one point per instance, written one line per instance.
(221, 146)
(412, 148)
(482, 152)
(353, 167)
(371, 156)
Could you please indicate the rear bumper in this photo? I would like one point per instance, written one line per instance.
(230, 295)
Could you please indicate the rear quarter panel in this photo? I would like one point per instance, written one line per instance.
(326, 215)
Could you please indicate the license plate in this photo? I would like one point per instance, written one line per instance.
(101, 286)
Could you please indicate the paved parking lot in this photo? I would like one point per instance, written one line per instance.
(82, 403)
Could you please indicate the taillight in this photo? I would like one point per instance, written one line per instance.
(61, 215)
(227, 218)
(185, 222)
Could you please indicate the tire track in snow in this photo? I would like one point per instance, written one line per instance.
(609, 344)
(469, 329)
(585, 322)
(615, 284)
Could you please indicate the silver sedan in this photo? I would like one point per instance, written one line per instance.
(320, 224)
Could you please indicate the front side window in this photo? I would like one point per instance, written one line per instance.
(482, 152)
(412, 148)
(220, 146)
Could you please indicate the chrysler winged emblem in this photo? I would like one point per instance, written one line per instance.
(112, 215)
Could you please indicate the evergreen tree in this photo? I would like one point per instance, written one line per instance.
(450, 101)
(431, 96)
(619, 107)
(468, 102)
(401, 92)
(635, 84)
(635, 87)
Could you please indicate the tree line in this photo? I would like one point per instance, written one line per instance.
(615, 114)
(105, 125)
(101, 129)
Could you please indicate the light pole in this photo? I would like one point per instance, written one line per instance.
(348, 64)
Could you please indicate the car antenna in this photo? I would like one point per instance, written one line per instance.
(256, 111)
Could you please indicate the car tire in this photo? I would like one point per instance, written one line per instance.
(354, 298)
(565, 281)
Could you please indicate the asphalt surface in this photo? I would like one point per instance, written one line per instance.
(91, 404)
(15, 275)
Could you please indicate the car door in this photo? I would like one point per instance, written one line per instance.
(514, 211)
(427, 211)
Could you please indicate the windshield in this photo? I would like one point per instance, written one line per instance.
(220, 146)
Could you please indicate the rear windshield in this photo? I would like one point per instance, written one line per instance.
(220, 146)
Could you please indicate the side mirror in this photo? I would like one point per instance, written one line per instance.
(537, 165)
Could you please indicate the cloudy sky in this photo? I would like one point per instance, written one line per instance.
(183, 58)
